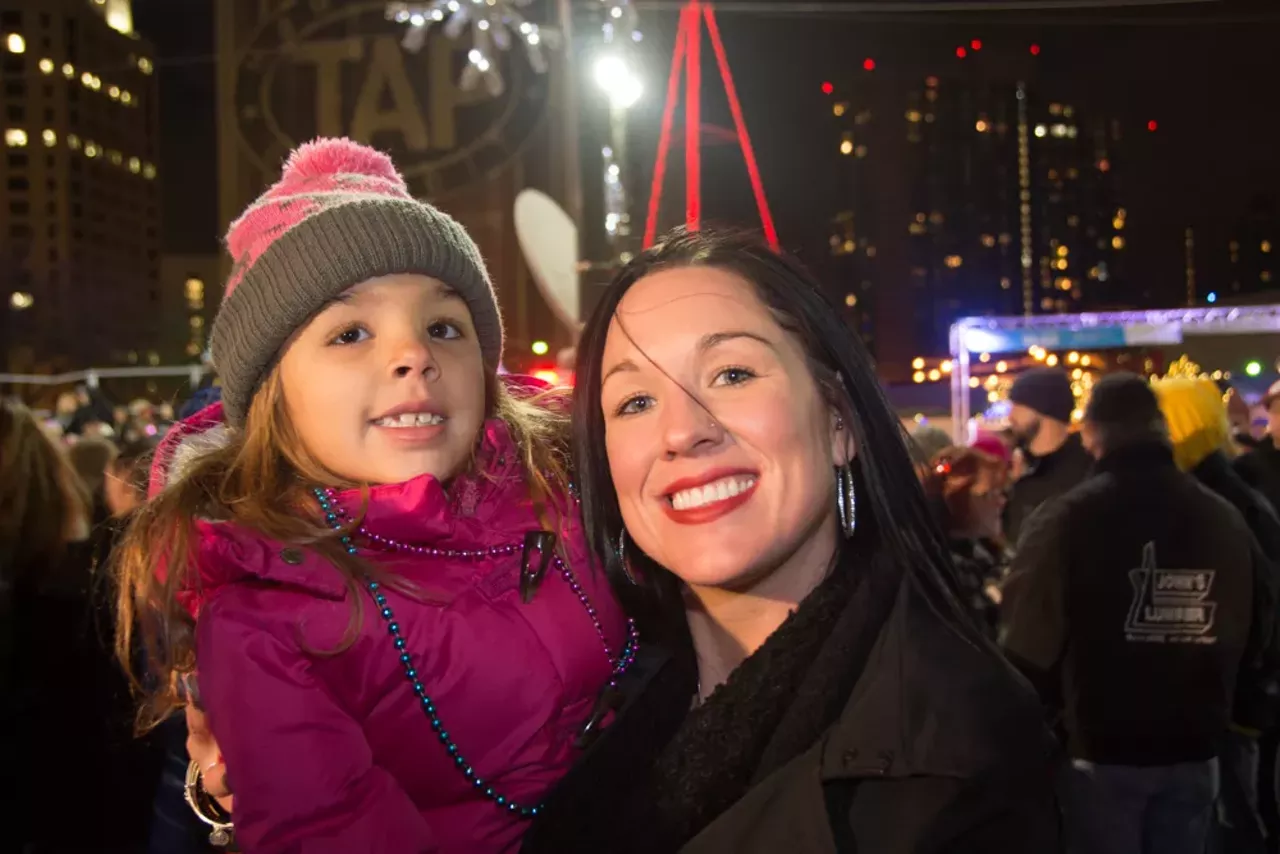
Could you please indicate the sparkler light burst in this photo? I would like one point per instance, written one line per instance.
(494, 25)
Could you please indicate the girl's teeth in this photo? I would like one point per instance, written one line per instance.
(721, 490)
(411, 419)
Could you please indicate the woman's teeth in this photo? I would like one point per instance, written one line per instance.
(411, 419)
(720, 490)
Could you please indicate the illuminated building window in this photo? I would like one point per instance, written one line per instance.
(851, 300)
(46, 66)
(73, 142)
(913, 115)
(838, 109)
(1055, 109)
(68, 70)
(1041, 131)
(135, 165)
(50, 138)
(982, 126)
(953, 261)
(1104, 165)
(1265, 247)
(936, 218)
(1005, 284)
(1117, 242)
(145, 66)
(988, 240)
(871, 253)
(846, 146)
(148, 171)
(15, 137)
(15, 43)
(860, 151)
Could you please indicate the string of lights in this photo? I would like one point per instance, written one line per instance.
(494, 25)
(803, 7)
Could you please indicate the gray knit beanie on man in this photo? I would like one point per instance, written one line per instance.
(339, 215)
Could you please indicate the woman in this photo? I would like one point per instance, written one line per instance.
(967, 489)
(809, 681)
(65, 709)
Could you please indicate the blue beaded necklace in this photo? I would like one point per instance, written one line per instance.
(337, 519)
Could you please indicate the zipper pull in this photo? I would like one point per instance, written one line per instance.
(539, 547)
(610, 698)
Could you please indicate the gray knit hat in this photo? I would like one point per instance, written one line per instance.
(339, 215)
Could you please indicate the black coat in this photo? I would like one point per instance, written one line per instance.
(903, 734)
(1131, 605)
(1046, 477)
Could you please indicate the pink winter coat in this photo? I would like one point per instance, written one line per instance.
(332, 752)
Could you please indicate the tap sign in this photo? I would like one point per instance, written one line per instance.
(329, 68)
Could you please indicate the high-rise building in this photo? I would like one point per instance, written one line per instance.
(79, 213)
(1254, 249)
(975, 194)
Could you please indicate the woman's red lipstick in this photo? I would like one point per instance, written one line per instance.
(713, 510)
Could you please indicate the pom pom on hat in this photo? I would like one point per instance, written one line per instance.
(322, 158)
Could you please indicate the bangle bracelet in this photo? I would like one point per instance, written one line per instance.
(206, 808)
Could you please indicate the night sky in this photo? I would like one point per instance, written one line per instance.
(1209, 73)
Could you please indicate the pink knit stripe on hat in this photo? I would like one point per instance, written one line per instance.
(318, 175)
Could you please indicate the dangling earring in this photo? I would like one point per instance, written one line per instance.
(622, 556)
(846, 500)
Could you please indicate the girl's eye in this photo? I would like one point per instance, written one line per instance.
(634, 405)
(352, 335)
(444, 329)
(733, 376)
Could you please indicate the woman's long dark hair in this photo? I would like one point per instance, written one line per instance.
(892, 513)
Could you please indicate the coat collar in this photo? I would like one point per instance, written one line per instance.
(488, 506)
(470, 511)
(923, 667)
(1140, 456)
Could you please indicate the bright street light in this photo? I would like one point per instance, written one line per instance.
(618, 81)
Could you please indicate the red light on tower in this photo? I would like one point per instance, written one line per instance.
(827, 88)
(961, 52)
(869, 64)
(976, 44)
(1035, 50)
(1153, 126)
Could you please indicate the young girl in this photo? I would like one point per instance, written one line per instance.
(374, 565)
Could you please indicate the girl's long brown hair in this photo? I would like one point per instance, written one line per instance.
(262, 479)
(43, 504)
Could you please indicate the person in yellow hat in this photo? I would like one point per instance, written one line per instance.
(1200, 431)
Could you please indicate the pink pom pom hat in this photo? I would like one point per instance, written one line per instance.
(339, 215)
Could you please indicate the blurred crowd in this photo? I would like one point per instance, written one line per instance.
(72, 478)
(1034, 516)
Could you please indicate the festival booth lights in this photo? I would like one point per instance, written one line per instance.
(987, 338)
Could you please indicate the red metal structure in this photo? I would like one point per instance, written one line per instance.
(688, 55)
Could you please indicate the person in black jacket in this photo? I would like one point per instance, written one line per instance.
(808, 681)
(1053, 458)
(1201, 433)
(1260, 466)
(1131, 605)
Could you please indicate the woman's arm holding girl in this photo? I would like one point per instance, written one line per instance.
(299, 764)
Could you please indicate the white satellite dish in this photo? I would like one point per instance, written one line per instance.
(549, 240)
